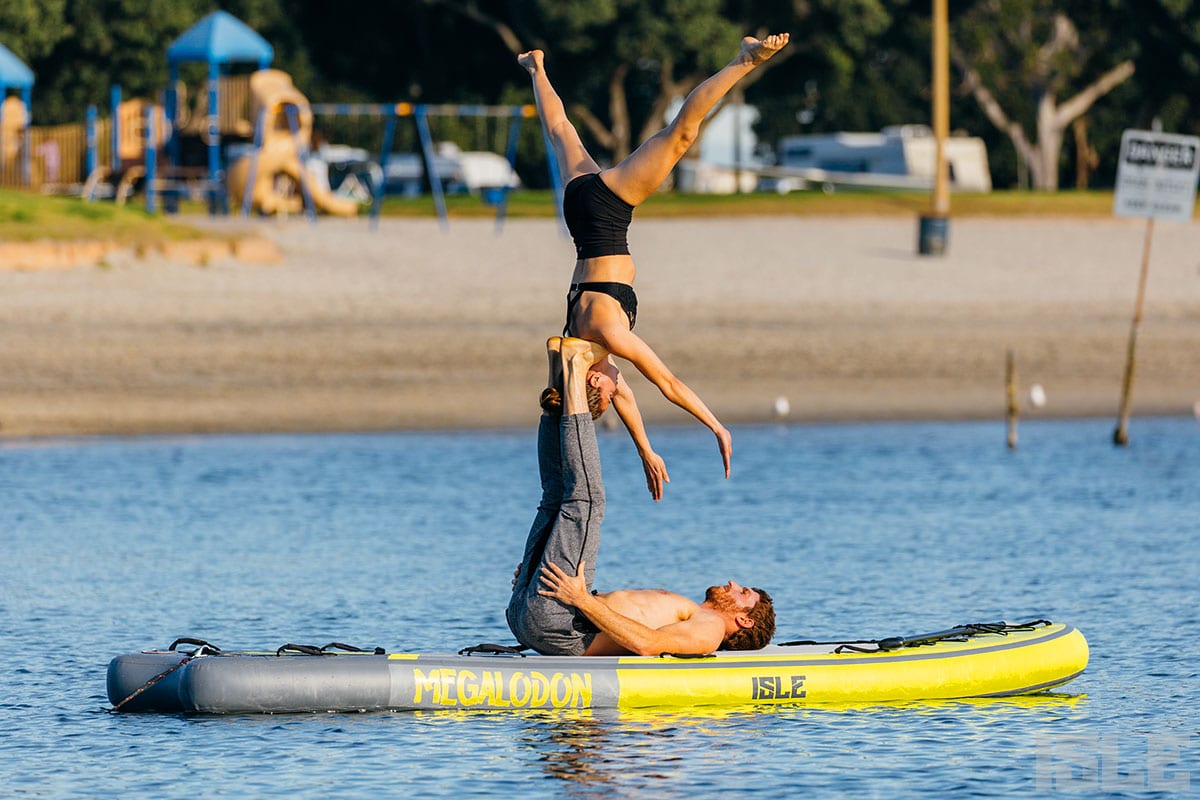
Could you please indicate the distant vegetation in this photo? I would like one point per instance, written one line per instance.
(1049, 84)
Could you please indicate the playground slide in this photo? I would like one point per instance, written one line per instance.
(286, 131)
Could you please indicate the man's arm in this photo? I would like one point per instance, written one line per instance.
(694, 636)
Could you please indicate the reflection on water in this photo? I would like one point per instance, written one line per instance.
(408, 540)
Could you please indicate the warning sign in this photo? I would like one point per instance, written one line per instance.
(1157, 176)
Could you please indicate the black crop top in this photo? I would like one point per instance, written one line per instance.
(597, 219)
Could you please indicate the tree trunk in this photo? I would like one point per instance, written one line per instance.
(1052, 119)
(1048, 147)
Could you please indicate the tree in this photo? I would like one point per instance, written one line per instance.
(1017, 57)
(105, 42)
(31, 28)
(630, 57)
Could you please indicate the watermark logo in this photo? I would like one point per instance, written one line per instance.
(1090, 762)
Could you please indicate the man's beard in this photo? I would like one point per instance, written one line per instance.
(720, 599)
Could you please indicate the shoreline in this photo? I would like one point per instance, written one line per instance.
(410, 328)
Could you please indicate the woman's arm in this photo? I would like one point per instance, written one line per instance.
(573, 158)
(626, 407)
(629, 346)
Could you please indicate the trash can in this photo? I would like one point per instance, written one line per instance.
(931, 239)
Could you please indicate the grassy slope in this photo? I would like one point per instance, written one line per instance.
(28, 217)
(812, 203)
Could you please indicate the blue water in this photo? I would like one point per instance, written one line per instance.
(408, 541)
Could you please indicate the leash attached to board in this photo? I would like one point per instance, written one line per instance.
(203, 648)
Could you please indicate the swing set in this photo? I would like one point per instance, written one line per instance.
(420, 114)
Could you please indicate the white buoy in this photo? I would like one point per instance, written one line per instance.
(782, 407)
(1037, 395)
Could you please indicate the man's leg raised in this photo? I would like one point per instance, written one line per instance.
(544, 623)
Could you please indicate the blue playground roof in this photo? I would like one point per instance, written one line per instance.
(220, 38)
(13, 72)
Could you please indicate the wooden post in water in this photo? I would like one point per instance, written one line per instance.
(1010, 393)
(1121, 434)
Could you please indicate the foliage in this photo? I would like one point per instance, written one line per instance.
(30, 28)
(852, 64)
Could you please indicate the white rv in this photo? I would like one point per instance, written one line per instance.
(900, 157)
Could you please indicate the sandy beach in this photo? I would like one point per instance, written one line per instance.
(408, 326)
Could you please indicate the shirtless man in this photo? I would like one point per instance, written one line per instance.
(650, 622)
(553, 611)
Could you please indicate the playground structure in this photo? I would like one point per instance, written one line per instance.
(15, 140)
(249, 138)
(494, 188)
(268, 177)
(136, 131)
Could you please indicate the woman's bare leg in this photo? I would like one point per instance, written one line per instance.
(644, 170)
(573, 158)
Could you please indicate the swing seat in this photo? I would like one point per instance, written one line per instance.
(493, 195)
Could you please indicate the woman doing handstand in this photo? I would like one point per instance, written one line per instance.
(598, 207)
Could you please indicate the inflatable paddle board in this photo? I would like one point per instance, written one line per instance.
(977, 660)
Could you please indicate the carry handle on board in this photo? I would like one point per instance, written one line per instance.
(203, 645)
(313, 650)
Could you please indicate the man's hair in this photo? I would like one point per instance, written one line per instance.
(552, 403)
(760, 635)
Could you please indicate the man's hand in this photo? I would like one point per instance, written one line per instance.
(656, 474)
(571, 590)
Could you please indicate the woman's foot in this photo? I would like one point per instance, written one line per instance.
(756, 51)
(531, 61)
(580, 352)
(578, 355)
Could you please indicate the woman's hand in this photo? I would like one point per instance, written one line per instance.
(571, 590)
(656, 474)
(725, 444)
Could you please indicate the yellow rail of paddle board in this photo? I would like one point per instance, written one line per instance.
(986, 665)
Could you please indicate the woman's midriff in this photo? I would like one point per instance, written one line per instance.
(617, 269)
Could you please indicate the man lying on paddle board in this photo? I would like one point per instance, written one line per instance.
(650, 622)
(553, 611)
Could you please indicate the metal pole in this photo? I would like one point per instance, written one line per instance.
(1121, 434)
(151, 161)
(935, 226)
(92, 159)
(385, 152)
(514, 134)
(252, 167)
(435, 183)
(114, 102)
(941, 107)
(213, 128)
(172, 109)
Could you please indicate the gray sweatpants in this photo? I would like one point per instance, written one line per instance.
(566, 530)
